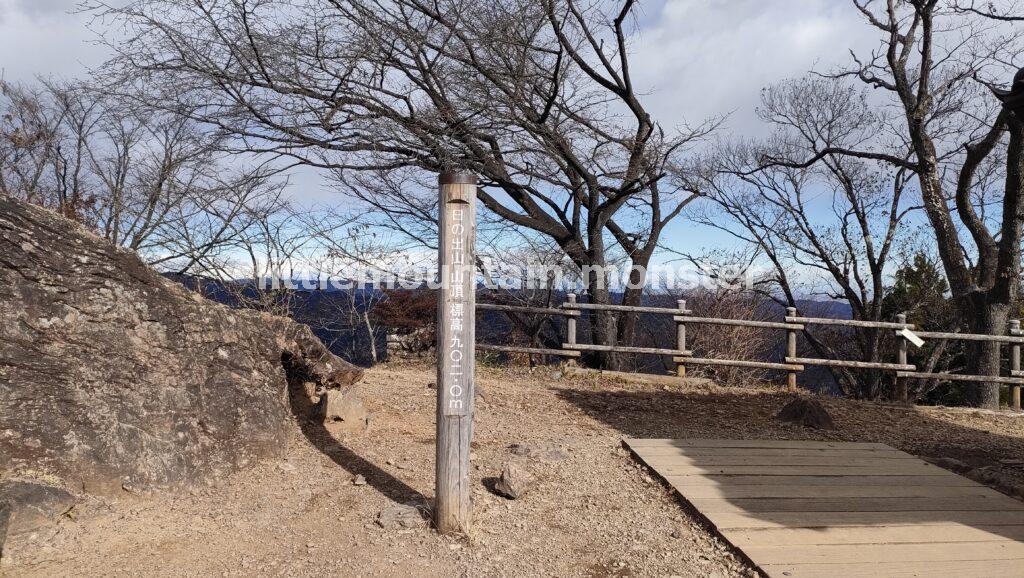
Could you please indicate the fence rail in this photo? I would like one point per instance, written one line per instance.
(792, 324)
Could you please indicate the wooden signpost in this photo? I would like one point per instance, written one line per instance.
(456, 335)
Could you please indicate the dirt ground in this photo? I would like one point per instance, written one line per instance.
(594, 513)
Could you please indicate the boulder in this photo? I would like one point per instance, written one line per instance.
(515, 482)
(806, 412)
(112, 376)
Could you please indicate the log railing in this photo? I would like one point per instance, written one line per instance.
(792, 325)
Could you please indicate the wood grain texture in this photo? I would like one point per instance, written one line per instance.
(456, 365)
(813, 508)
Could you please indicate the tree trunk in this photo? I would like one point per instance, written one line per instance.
(372, 334)
(633, 296)
(603, 329)
(990, 318)
(872, 378)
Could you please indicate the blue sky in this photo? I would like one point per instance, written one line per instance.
(697, 59)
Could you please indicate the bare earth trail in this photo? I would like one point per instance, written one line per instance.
(596, 512)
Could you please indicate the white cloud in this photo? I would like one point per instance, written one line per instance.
(45, 37)
(702, 59)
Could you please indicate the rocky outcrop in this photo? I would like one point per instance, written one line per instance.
(112, 376)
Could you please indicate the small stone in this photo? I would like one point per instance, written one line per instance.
(515, 482)
(519, 450)
(410, 515)
(359, 480)
(343, 406)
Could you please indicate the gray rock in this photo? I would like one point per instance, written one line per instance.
(117, 373)
(359, 480)
(343, 408)
(27, 505)
(515, 482)
(806, 412)
(410, 515)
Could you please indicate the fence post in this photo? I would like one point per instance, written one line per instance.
(570, 328)
(681, 338)
(456, 336)
(902, 383)
(791, 350)
(1015, 364)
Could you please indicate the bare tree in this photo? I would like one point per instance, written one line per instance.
(537, 97)
(829, 228)
(28, 135)
(1005, 12)
(943, 126)
(157, 183)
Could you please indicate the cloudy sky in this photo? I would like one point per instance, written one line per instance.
(697, 58)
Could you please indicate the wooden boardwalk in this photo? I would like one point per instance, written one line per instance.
(806, 508)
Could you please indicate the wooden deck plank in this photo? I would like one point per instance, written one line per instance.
(784, 452)
(795, 490)
(770, 505)
(755, 460)
(696, 480)
(767, 470)
(909, 534)
(716, 443)
(727, 521)
(799, 508)
(870, 553)
(944, 569)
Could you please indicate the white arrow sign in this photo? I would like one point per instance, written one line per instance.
(912, 337)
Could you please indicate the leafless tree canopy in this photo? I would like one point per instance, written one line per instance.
(148, 180)
(536, 97)
(941, 123)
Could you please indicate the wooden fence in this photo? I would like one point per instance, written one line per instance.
(792, 325)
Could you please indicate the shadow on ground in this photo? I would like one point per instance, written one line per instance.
(322, 439)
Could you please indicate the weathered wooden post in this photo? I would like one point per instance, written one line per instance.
(791, 351)
(681, 338)
(902, 383)
(1015, 364)
(570, 327)
(456, 335)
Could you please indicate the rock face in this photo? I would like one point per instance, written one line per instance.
(806, 412)
(112, 376)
